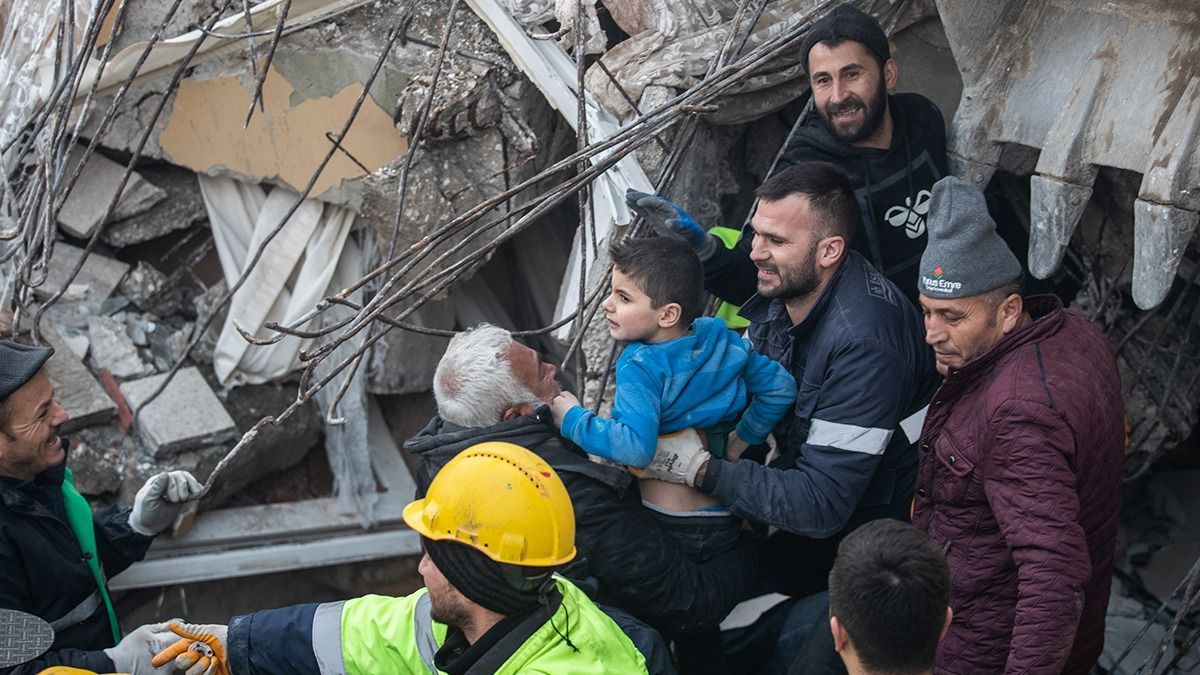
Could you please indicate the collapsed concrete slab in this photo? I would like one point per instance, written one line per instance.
(77, 391)
(187, 415)
(87, 202)
(182, 208)
(94, 283)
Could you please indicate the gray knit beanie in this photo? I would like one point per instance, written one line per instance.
(964, 256)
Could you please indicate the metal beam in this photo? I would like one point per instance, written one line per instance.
(249, 540)
(267, 559)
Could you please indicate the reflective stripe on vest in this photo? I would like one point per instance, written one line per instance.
(78, 615)
(327, 638)
(427, 645)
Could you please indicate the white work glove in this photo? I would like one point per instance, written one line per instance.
(678, 458)
(161, 499)
(200, 651)
(135, 651)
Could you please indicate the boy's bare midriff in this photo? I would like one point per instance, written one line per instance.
(673, 497)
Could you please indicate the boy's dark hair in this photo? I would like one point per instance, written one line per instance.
(889, 589)
(830, 195)
(666, 269)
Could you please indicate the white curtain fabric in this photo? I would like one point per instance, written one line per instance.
(346, 443)
(292, 275)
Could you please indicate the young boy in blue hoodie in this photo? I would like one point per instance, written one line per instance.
(678, 372)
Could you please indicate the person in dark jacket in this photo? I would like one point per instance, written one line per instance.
(892, 146)
(865, 375)
(490, 388)
(54, 554)
(889, 600)
(1021, 454)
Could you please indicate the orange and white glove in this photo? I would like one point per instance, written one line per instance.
(201, 651)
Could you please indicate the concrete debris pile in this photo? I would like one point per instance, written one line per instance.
(187, 275)
(1157, 549)
(119, 327)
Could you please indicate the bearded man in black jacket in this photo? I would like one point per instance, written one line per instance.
(490, 388)
(892, 146)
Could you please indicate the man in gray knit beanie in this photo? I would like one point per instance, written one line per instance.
(1021, 454)
(968, 277)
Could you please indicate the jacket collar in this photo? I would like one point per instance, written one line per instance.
(21, 495)
(1048, 315)
(440, 440)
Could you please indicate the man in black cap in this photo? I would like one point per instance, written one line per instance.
(892, 146)
(54, 554)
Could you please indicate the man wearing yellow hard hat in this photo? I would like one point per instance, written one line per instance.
(496, 522)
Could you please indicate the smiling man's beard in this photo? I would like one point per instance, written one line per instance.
(798, 282)
(873, 110)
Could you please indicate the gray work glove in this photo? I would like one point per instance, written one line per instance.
(133, 654)
(161, 499)
(669, 220)
(678, 458)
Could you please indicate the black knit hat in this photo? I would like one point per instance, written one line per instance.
(504, 589)
(18, 364)
(847, 23)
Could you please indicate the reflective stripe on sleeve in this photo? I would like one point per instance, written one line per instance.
(327, 638)
(912, 425)
(866, 440)
(427, 645)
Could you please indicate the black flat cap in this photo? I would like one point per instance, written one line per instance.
(18, 364)
(847, 23)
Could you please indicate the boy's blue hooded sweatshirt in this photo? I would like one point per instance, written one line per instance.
(698, 380)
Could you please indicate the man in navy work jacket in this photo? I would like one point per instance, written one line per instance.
(856, 348)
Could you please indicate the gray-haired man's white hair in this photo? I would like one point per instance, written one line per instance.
(474, 383)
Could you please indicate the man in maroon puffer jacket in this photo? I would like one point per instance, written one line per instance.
(1021, 454)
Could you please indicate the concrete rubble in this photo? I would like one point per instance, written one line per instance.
(154, 282)
(113, 349)
(181, 208)
(185, 416)
(95, 282)
(98, 183)
(78, 392)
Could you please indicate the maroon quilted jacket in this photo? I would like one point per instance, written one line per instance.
(1019, 483)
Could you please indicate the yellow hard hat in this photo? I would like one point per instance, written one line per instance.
(503, 501)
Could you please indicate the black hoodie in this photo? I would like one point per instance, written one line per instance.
(893, 187)
(624, 558)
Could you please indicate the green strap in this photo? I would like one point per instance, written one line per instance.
(79, 516)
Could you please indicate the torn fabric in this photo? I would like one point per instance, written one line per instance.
(346, 443)
(288, 280)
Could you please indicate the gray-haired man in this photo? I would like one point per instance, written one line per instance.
(489, 388)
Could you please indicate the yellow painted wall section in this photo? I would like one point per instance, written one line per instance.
(205, 132)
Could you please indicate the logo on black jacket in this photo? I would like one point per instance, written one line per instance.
(911, 216)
